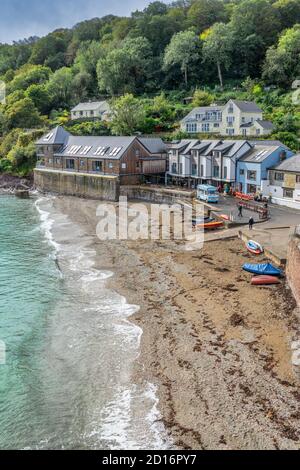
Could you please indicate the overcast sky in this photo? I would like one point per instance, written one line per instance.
(23, 18)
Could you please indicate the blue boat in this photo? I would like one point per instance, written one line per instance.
(262, 269)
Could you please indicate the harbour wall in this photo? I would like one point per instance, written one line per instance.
(92, 186)
(293, 265)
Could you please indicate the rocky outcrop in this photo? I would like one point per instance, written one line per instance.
(11, 184)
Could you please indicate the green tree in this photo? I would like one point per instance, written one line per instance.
(23, 114)
(128, 115)
(202, 98)
(60, 86)
(126, 68)
(217, 47)
(41, 97)
(289, 12)
(29, 75)
(204, 13)
(282, 64)
(183, 50)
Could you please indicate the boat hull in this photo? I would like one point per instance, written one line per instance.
(264, 280)
(262, 269)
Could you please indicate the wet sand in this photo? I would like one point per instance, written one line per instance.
(218, 348)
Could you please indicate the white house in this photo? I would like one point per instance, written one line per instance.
(91, 110)
(284, 183)
(235, 118)
(209, 161)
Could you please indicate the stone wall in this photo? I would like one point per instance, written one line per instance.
(293, 266)
(77, 184)
(155, 194)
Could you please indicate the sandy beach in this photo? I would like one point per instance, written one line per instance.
(218, 349)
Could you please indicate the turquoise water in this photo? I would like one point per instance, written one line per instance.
(70, 348)
(30, 284)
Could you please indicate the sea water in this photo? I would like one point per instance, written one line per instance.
(70, 345)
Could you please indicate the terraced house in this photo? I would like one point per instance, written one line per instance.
(193, 162)
(235, 118)
(96, 161)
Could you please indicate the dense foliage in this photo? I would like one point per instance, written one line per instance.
(211, 49)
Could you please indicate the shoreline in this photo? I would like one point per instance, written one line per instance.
(222, 368)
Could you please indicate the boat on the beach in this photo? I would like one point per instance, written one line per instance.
(254, 247)
(264, 280)
(262, 269)
(210, 225)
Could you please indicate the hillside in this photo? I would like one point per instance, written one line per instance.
(146, 64)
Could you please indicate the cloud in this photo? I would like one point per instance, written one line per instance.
(23, 18)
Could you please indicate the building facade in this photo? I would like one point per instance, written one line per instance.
(128, 158)
(284, 183)
(252, 168)
(235, 118)
(91, 110)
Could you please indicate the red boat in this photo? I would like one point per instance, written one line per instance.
(264, 280)
(211, 225)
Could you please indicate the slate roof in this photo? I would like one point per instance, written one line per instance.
(259, 153)
(201, 110)
(290, 164)
(247, 106)
(56, 136)
(91, 106)
(265, 124)
(153, 145)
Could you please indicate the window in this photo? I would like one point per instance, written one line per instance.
(230, 109)
(191, 127)
(97, 165)
(242, 172)
(57, 161)
(81, 113)
(137, 153)
(205, 127)
(82, 162)
(230, 119)
(174, 168)
(137, 165)
(297, 178)
(216, 125)
(243, 120)
(225, 172)
(70, 164)
(110, 165)
(124, 166)
(251, 175)
(230, 131)
(278, 176)
(216, 172)
(201, 170)
(288, 193)
(257, 131)
(251, 189)
(194, 169)
(180, 168)
(92, 113)
(244, 131)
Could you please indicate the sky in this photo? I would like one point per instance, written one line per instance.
(23, 18)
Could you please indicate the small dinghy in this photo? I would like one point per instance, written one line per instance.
(264, 280)
(211, 225)
(254, 247)
(262, 269)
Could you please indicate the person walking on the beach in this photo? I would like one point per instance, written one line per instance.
(240, 211)
(251, 223)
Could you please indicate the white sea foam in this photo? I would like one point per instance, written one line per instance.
(129, 418)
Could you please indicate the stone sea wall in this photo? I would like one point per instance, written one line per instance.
(293, 266)
(77, 184)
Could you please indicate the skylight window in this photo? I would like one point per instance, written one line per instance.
(85, 150)
(104, 151)
(48, 137)
(99, 149)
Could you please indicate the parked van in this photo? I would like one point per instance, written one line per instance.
(207, 193)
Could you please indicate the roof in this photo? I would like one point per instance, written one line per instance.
(290, 164)
(153, 145)
(270, 142)
(265, 124)
(104, 146)
(200, 110)
(91, 106)
(259, 153)
(247, 106)
(56, 136)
